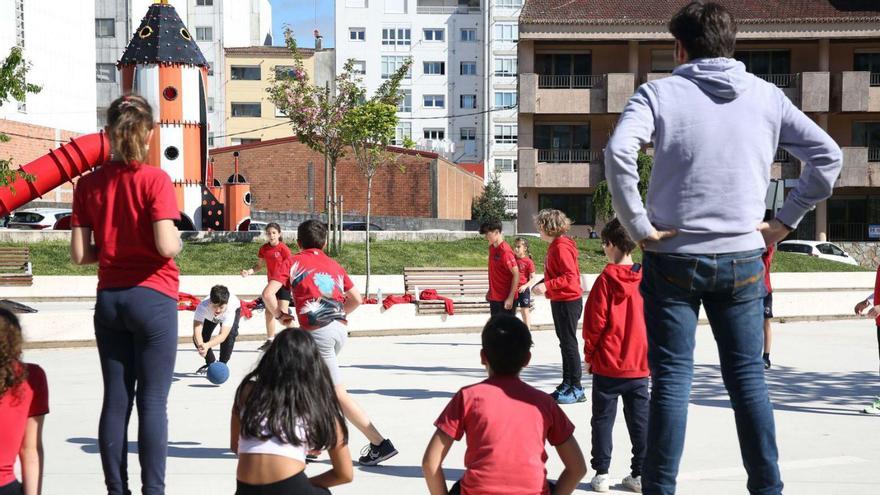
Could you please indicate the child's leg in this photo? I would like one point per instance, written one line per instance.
(228, 345)
(357, 416)
(270, 325)
(565, 318)
(556, 308)
(284, 306)
(526, 317)
(207, 330)
(602, 423)
(768, 336)
(635, 410)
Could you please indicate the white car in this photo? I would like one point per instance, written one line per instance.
(38, 218)
(818, 249)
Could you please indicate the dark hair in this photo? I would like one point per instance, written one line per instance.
(291, 384)
(616, 235)
(12, 372)
(506, 343)
(312, 234)
(274, 225)
(490, 226)
(522, 241)
(129, 121)
(219, 295)
(705, 29)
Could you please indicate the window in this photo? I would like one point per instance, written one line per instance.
(505, 134)
(434, 101)
(577, 207)
(357, 34)
(434, 34)
(405, 104)
(795, 248)
(396, 36)
(105, 73)
(505, 67)
(562, 137)
(246, 110)
(435, 134)
(510, 201)
(360, 67)
(210, 104)
(402, 132)
(468, 134)
(204, 33)
(284, 72)
(506, 32)
(505, 99)
(245, 72)
(868, 62)
(210, 68)
(468, 35)
(564, 64)
(204, 3)
(468, 68)
(662, 61)
(773, 66)
(236, 141)
(505, 165)
(434, 68)
(468, 101)
(19, 35)
(390, 65)
(509, 4)
(867, 135)
(105, 28)
(830, 249)
(210, 139)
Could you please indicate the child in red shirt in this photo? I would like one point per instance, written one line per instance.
(275, 256)
(872, 302)
(562, 284)
(503, 271)
(506, 423)
(24, 400)
(526, 275)
(616, 353)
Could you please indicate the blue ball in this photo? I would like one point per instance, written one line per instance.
(218, 372)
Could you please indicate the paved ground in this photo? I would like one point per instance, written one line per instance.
(823, 374)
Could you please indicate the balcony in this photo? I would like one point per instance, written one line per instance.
(861, 168)
(441, 7)
(559, 168)
(857, 91)
(808, 90)
(785, 166)
(575, 94)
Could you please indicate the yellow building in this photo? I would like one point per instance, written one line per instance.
(248, 74)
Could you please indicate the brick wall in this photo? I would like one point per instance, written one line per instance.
(23, 150)
(278, 172)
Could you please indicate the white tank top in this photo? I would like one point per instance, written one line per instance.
(275, 445)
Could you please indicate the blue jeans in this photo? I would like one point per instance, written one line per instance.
(731, 287)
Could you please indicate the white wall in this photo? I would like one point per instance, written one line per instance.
(60, 45)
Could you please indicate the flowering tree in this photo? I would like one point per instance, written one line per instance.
(13, 86)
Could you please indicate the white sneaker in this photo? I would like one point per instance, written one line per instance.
(632, 483)
(601, 483)
(873, 410)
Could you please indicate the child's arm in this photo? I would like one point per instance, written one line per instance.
(514, 282)
(595, 317)
(432, 462)
(575, 468)
(82, 251)
(250, 271)
(31, 455)
(197, 336)
(864, 304)
(220, 338)
(340, 457)
(353, 299)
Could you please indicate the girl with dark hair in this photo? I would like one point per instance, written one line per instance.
(527, 278)
(24, 400)
(130, 207)
(282, 409)
(275, 256)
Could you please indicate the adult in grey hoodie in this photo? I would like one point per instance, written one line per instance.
(715, 129)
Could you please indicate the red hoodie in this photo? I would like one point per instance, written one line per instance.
(562, 276)
(615, 342)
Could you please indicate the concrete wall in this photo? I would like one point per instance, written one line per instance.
(456, 191)
(290, 220)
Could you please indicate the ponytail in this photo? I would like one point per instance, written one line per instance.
(129, 121)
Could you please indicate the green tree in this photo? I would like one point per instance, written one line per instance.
(491, 205)
(602, 195)
(14, 86)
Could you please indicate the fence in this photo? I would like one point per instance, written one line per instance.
(565, 156)
(569, 81)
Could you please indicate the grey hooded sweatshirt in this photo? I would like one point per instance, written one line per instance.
(715, 129)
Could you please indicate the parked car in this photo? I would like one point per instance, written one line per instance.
(360, 226)
(38, 218)
(817, 249)
(257, 226)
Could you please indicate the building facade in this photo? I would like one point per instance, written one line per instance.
(580, 61)
(249, 72)
(215, 24)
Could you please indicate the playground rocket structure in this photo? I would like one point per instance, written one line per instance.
(163, 64)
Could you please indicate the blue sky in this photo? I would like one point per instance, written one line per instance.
(300, 15)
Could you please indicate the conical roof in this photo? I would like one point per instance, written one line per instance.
(162, 39)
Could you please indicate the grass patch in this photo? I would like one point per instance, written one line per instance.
(389, 257)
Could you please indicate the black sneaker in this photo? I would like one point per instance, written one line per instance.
(265, 345)
(372, 455)
(203, 370)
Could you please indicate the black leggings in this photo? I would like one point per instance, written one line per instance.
(13, 488)
(297, 484)
(565, 318)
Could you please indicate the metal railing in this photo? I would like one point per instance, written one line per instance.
(875, 79)
(847, 231)
(585, 81)
(447, 9)
(781, 156)
(780, 80)
(565, 156)
(874, 154)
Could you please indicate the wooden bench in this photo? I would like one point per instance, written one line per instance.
(466, 287)
(15, 267)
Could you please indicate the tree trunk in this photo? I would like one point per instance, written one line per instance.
(369, 198)
(338, 232)
(333, 218)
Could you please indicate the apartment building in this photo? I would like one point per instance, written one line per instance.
(216, 25)
(581, 60)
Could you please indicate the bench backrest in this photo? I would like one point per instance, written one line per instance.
(15, 260)
(449, 282)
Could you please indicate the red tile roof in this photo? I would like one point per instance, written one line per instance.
(660, 11)
(267, 51)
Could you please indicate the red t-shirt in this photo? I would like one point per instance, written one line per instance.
(767, 258)
(120, 203)
(318, 285)
(501, 260)
(506, 422)
(526, 270)
(277, 260)
(29, 398)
